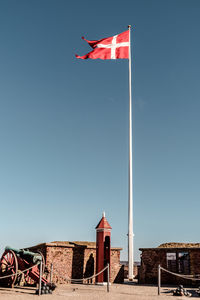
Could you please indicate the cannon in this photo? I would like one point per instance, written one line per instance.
(15, 261)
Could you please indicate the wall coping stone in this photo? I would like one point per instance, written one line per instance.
(67, 244)
(170, 248)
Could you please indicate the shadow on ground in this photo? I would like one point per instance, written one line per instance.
(21, 290)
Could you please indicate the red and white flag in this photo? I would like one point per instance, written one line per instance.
(113, 47)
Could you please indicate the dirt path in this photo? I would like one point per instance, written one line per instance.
(92, 292)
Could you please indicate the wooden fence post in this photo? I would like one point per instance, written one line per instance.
(159, 279)
(108, 278)
(51, 273)
(40, 280)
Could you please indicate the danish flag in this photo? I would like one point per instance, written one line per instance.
(113, 47)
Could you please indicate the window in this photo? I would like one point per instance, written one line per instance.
(178, 262)
(171, 261)
(183, 263)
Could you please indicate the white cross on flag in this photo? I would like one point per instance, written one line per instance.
(113, 47)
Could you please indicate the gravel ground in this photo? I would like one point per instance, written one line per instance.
(90, 292)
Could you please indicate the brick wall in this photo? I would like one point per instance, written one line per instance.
(62, 260)
(195, 261)
(151, 258)
(90, 263)
(71, 260)
(117, 270)
(148, 271)
(135, 271)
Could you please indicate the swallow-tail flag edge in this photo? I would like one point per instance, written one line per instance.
(114, 47)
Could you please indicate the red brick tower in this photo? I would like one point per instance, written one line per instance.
(103, 248)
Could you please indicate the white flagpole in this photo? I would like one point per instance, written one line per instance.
(130, 206)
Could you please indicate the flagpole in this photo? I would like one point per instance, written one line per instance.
(130, 200)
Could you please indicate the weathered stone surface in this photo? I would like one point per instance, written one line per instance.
(135, 271)
(180, 245)
(77, 260)
(152, 257)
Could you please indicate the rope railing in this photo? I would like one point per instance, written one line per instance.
(74, 280)
(88, 278)
(188, 277)
(182, 276)
(67, 279)
(18, 273)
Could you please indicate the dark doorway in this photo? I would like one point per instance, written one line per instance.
(106, 257)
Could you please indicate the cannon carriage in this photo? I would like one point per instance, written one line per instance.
(18, 263)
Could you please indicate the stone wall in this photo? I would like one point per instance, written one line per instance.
(71, 260)
(62, 260)
(135, 271)
(151, 258)
(195, 261)
(90, 263)
(116, 271)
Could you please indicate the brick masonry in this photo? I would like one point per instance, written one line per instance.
(77, 260)
(135, 271)
(152, 257)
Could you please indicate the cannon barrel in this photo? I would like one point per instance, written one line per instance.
(31, 257)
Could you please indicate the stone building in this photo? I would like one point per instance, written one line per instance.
(136, 266)
(181, 258)
(77, 260)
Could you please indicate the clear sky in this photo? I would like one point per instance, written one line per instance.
(64, 122)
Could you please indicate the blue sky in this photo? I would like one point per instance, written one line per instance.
(64, 122)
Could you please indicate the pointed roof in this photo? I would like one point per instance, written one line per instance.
(103, 224)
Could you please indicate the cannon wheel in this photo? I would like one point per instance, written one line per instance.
(8, 266)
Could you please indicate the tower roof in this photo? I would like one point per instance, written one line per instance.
(103, 224)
